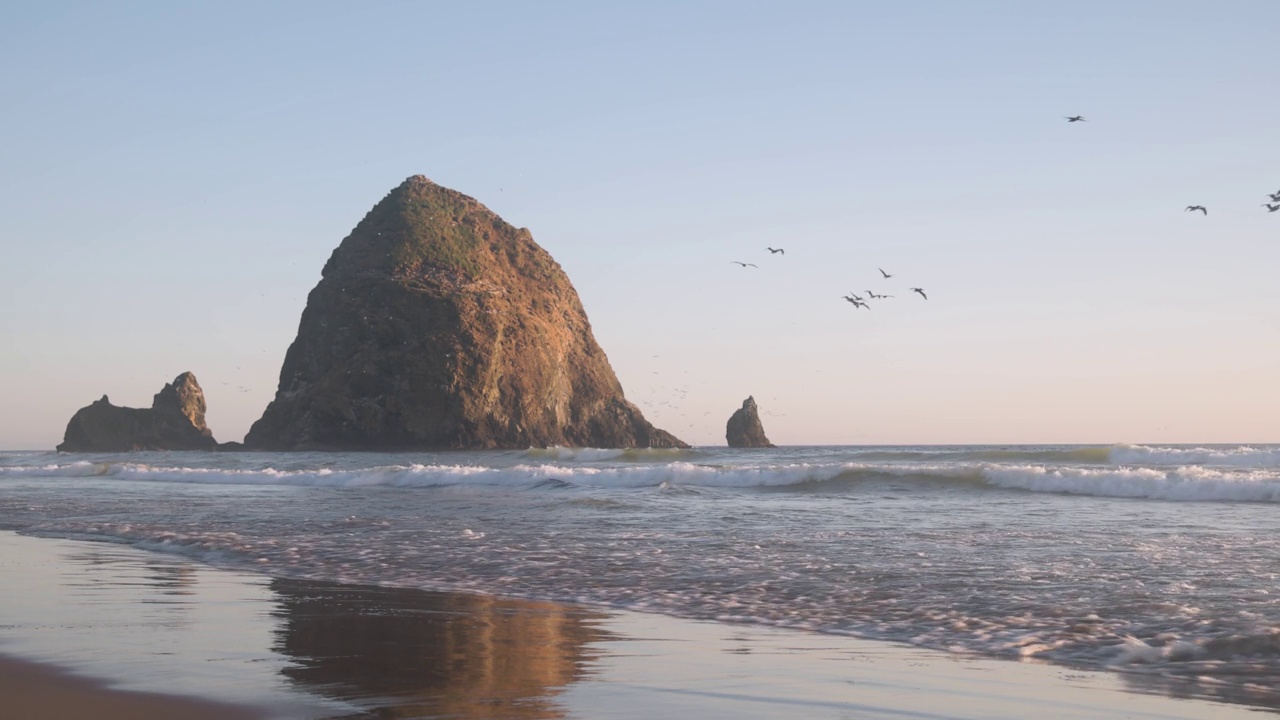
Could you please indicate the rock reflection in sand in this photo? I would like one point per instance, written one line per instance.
(407, 653)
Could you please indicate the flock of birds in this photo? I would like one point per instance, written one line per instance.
(1271, 206)
(853, 298)
(859, 301)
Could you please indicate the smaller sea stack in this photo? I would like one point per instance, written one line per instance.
(175, 421)
(744, 429)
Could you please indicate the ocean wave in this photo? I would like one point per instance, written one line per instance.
(1239, 456)
(637, 455)
(1123, 454)
(536, 475)
(1187, 483)
(1181, 483)
(1092, 454)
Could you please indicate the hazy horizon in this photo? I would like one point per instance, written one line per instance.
(176, 178)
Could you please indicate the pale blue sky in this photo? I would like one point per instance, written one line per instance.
(172, 179)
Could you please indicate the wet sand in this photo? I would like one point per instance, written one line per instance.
(37, 692)
(142, 624)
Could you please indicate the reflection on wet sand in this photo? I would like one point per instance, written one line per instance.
(408, 653)
(308, 650)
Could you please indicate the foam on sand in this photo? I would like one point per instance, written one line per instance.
(319, 645)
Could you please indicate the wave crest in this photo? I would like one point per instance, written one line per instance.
(1239, 456)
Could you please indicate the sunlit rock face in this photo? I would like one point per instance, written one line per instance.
(437, 325)
(175, 421)
(744, 428)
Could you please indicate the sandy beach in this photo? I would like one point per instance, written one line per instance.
(96, 630)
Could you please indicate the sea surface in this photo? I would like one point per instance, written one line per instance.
(1141, 559)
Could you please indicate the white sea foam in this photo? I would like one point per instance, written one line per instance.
(675, 474)
(571, 453)
(1240, 456)
(1179, 483)
(1190, 483)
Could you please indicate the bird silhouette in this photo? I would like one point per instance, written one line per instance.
(921, 291)
(853, 296)
(1075, 118)
(775, 251)
(1191, 208)
(1274, 198)
(745, 265)
(885, 274)
(1271, 208)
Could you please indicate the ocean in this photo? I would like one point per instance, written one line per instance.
(1133, 558)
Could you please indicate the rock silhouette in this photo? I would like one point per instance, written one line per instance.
(175, 421)
(437, 325)
(744, 428)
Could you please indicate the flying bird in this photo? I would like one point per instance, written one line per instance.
(921, 291)
(856, 302)
(885, 274)
(775, 251)
(1192, 208)
(745, 265)
(1274, 198)
(853, 296)
(1271, 208)
(1075, 118)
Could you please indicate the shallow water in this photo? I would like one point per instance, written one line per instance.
(1141, 559)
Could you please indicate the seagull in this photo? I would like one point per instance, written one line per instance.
(1274, 198)
(775, 251)
(853, 296)
(885, 274)
(1191, 208)
(1271, 208)
(921, 291)
(857, 303)
(745, 265)
(1075, 118)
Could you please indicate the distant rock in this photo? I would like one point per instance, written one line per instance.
(744, 428)
(175, 421)
(438, 325)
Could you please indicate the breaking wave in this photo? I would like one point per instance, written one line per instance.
(1239, 456)
(1198, 483)
(638, 455)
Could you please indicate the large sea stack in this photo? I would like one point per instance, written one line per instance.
(744, 428)
(175, 421)
(438, 325)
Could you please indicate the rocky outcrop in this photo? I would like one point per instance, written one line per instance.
(744, 428)
(175, 421)
(437, 325)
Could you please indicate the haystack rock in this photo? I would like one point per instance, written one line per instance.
(175, 421)
(744, 428)
(437, 325)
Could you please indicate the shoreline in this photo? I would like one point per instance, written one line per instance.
(155, 629)
(34, 691)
